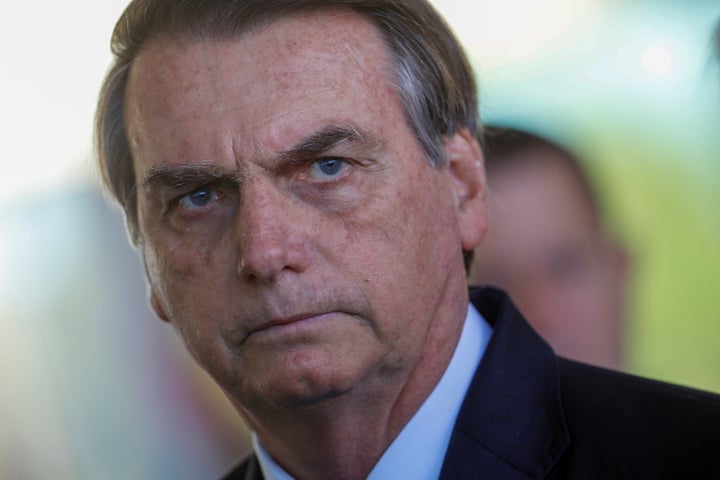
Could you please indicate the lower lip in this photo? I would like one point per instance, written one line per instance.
(296, 327)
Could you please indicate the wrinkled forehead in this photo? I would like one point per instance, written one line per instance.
(330, 46)
(339, 31)
(267, 85)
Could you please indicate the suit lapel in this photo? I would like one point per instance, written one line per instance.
(511, 424)
(253, 471)
(249, 469)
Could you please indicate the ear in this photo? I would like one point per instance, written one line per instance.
(466, 168)
(157, 306)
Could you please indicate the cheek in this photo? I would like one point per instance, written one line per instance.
(186, 274)
(172, 266)
(191, 294)
(428, 227)
(408, 234)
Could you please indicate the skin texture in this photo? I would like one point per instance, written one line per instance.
(546, 247)
(295, 235)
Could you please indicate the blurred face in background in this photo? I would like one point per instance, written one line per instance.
(547, 248)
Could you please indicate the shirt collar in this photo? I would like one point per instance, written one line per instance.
(419, 449)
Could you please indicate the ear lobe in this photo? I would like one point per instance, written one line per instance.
(466, 167)
(157, 307)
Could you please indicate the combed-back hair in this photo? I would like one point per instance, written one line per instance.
(432, 75)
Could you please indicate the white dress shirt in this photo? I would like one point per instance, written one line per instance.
(418, 451)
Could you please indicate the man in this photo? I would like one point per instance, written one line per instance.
(549, 249)
(301, 179)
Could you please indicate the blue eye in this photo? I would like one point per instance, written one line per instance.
(327, 167)
(197, 199)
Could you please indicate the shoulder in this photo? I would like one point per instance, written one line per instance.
(639, 425)
(585, 422)
(612, 388)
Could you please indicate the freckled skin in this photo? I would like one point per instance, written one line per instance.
(371, 261)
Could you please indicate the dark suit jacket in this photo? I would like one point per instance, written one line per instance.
(531, 415)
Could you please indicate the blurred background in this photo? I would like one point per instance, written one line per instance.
(93, 386)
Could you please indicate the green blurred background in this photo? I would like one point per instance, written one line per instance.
(92, 386)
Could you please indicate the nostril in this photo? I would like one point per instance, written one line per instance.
(262, 263)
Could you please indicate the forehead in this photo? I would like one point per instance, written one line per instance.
(287, 45)
(301, 65)
(542, 194)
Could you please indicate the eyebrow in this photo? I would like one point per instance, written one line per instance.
(179, 177)
(183, 176)
(327, 138)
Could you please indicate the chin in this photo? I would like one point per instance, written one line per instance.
(297, 379)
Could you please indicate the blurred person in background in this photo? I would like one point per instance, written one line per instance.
(549, 248)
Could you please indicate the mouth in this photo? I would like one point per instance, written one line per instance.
(289, 325)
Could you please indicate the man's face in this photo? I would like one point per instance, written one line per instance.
(546, 248)
(292, 229)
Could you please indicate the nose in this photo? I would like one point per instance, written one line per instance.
(268, 237)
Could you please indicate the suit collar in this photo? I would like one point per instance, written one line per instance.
(511, 422)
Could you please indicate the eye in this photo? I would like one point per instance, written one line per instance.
(197, 199)
(327, 167)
